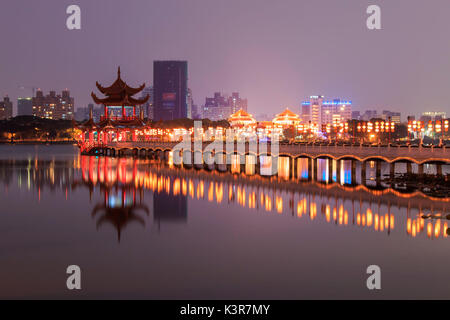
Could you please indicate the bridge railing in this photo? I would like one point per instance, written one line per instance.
(389, 152)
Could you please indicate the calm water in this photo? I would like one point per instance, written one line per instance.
(146, 229)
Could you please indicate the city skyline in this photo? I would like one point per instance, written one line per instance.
(280, 60)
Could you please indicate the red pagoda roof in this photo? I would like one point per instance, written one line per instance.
(119, 93)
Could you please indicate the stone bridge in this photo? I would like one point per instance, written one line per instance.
(390, 154)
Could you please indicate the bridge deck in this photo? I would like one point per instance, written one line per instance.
(417, 155)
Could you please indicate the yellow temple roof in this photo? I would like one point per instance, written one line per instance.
(241, 115)
(286, 115)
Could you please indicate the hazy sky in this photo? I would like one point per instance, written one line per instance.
(276, 53)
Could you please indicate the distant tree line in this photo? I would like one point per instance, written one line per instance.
(30, 128)
(27, 128)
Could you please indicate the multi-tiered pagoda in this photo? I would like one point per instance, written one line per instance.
(119, 95)
(118, 122)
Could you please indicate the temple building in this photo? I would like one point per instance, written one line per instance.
(241, 119)
(119, 96)
(286, 119)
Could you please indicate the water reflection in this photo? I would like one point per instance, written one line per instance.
(119, 209)
(325, 191)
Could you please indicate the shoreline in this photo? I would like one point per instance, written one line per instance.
(432, 185)
(38, 143)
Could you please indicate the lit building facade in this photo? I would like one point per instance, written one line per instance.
(318, 111)
(6, 108)
(53, 106)
(148, 107)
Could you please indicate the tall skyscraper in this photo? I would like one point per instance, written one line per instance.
(52, 106)
(24, 106)
(170, 90)
(6, 108)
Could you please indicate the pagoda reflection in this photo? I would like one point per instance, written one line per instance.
(340, 204)
(119, 209)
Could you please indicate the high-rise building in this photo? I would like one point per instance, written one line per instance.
(148, 107)
(319, 111)
(52, 106)
(24, 106)
(222, 106)
(170, 89)
(312, 109)
(6, 108)
(237, 103)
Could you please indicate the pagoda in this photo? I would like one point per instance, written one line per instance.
(119, 95)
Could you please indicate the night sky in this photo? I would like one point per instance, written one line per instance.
(275, 53)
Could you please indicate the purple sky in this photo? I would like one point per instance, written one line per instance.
(275, 53)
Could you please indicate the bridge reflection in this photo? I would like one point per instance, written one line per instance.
(331, 197)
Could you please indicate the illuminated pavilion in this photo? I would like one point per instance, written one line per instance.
(286, 118)
(241, 119)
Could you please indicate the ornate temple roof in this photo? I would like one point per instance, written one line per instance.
(286, 116)
(241, 116)
(119, 93)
